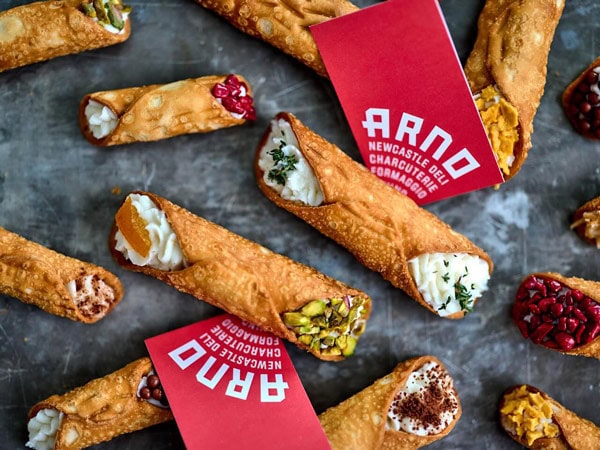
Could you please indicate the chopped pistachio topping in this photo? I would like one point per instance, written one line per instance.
(330, 327)
(107, 12)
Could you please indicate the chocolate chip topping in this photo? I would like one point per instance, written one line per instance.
(151, 390)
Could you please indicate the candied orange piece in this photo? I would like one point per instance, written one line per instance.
(133, 228)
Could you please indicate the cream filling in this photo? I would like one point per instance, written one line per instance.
(91, 295)
(101, 119)
(423, 389)
(301, 184)
(42, 429)
(449, 282)
(165, 252)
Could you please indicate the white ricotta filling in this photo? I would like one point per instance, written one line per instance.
(301, 184)
(101, 119)
(430, 377)
(449, 282)
(165, 252)
(42, 429)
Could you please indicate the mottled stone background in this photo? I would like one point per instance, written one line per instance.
(55, 188)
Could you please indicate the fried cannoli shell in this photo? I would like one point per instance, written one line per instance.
(37, 275)
(592, 206)
(45, 30)
(359, 422)
(511, 53)
(104, 408)
(381, 227)
(161, 111)
(575, 432)
(283, 24)
(240, 276)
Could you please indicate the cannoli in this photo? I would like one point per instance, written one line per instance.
(535, 420)
(410, 408)
(386, 231)
(507, 72)
(150, 113)
(127, 400)
(56, 283)
(45, 30)
(283, 24)
(295, 302)
(559, 313)
(581, 101)
(586, 221)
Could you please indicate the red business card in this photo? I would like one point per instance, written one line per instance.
(408, 103)
(231, 385)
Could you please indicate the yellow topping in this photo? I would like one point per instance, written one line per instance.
(529, 414)
(501, 120)
(133, 228)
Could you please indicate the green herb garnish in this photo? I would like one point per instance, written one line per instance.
(446, 277)
(463, 295)
(283, 164)
(445, 304)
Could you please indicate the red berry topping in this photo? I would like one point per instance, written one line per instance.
(552, 314)
(234, 97)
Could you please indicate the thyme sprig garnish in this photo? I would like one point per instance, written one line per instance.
(283, 164)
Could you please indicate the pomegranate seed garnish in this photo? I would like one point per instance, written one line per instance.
(541, 332)
(554, 285)
(530, 283)
(523, 329)
(579, 314)
(565, 341)
(591, 331)
(545, 303)
(562, 324)
(572, 324)
(534, 322)
(535, 309)
(577, 295)
(579, 332)
(232, 80)
(220, 90)
(556, 310)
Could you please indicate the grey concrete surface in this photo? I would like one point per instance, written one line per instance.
(56, 189)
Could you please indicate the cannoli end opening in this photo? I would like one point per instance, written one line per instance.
(329, 327)
(92, 296)
(501, 121)
(285, 169)
(43, 429)
(527, 416)
(450, 283)
(588, 226)
(427, 404)
(145, 237)
(101, 119)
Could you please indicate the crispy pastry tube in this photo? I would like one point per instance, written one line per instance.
(559, 313)
(293, 301)
(586, 221)
(283, 24)
(56, 283)
(385, 230)
(535, 420)
(45, 30)
(127, 400)
(507, 67)
(410, 408)
(150, 113)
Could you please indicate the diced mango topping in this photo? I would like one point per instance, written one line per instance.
(501, 120)
(133, 228)
(529, 414)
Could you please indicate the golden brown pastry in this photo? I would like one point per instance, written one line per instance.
(507, 72)
(385, 230)
(559, 313)
(537, 421)
(410, 408)
(586, 221)
(44, 30)
(293, 301)
(124, 401)
(150, 113)
(56, 283)
(283, 24)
